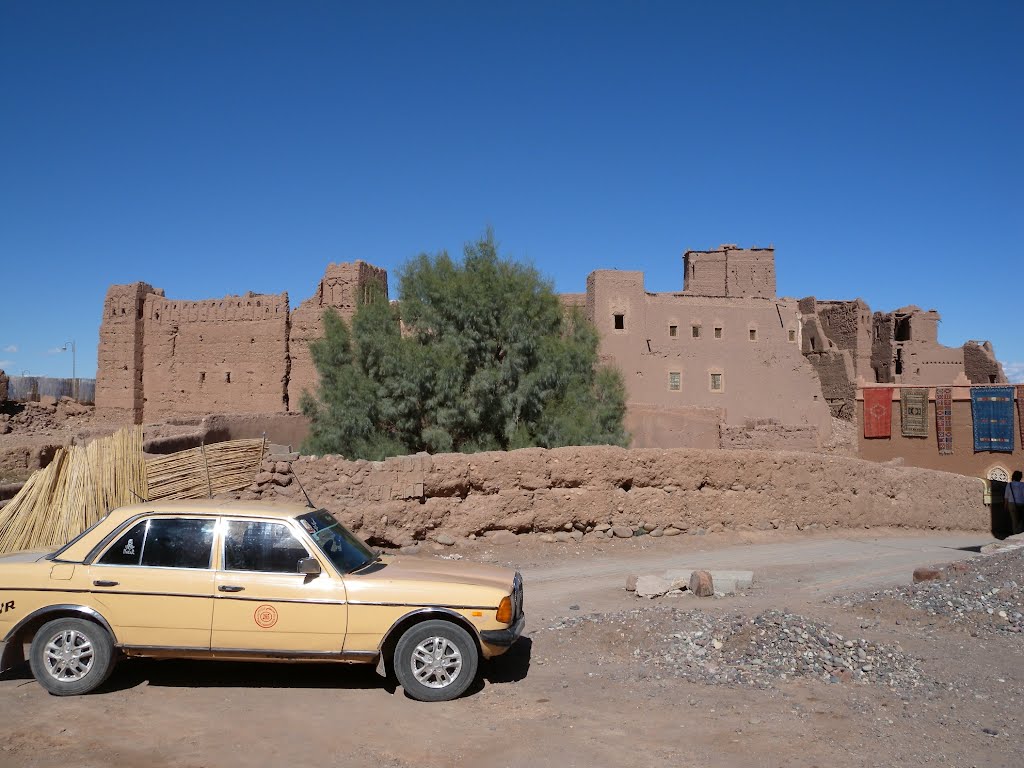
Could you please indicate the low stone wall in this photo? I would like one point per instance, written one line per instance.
(411, 498)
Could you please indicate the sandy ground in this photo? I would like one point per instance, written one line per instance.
(577, 696)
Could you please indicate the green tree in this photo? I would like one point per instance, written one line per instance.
(489, 361)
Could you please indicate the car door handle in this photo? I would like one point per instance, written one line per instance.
(103, 583)
(230, 588)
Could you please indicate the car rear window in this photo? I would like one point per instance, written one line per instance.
(164, 543)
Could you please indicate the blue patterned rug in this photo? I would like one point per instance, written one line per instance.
(992, 409)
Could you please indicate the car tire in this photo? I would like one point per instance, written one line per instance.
(71, 656)
(435, 661)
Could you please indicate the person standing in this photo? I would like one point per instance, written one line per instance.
(1013, 497)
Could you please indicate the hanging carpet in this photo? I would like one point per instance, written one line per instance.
(878, 412)
(944, 419)
(914, 412)
(992, 409)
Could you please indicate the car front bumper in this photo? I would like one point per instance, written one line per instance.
(503, 638)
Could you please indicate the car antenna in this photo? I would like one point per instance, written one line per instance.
(133, 493)
(309, 501)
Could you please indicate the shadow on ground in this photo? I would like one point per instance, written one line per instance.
(180, 673)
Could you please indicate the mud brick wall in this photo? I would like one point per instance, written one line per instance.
(223, 355)
(244, 354)
(406, 499)
(767, 434)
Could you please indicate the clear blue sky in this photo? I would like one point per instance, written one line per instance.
(218, 147)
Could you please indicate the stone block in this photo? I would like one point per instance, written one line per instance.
(652, 586)
(701, 584)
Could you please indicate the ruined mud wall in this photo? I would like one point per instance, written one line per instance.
(343, 287)
(225, 355)
(3, 386)
(980, 364)
(730, 271)
(410, 498)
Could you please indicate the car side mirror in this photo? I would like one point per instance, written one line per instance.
(309, 566)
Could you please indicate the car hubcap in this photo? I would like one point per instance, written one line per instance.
(436, 662)
(68, 656)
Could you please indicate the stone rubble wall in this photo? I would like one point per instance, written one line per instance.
(596, 489)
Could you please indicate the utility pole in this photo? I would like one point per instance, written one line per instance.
(74, 376)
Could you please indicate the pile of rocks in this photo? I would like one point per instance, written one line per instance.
(275, 478)
(47, 415)
(762, 651)
(700, 583)
(982, 595)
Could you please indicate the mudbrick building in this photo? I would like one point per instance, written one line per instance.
(160, 357)
(724, 362)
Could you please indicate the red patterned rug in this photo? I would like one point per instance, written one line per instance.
(944, 419)
(878, 412)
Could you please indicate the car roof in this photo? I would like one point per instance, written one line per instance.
(77, 550)
(210, 507)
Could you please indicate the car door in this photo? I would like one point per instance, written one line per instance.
(263, 604)
(154, 583)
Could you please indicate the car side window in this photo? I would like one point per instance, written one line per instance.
(251, 545)
(164, 543)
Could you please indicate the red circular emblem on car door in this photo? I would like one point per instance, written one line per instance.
(266, 616)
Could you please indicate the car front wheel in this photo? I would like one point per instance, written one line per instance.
(435, 661)
(71, 656)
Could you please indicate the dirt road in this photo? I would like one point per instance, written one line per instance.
(576, 694)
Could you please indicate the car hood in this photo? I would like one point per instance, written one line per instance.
(25, 556)
(412, 568)
(414, 581)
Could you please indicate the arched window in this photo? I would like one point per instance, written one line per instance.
(999, 475)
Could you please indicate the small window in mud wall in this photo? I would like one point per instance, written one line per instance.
(695, 330)
(718, 331)
(752, 334)
(717, 381)
(673, 330)
(620, 321)
(792, 335)
(227, 377)
(674, 381)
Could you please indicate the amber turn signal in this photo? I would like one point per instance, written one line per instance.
(505, 610)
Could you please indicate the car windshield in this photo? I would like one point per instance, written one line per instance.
(335, 540)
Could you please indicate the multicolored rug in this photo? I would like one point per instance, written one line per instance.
(878, 412)
(992, 409)
(944, 419)
(914, 411)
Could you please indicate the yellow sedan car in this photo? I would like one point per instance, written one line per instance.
(236, 580)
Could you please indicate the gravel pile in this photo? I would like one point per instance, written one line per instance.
(982, 595)
(769, 648)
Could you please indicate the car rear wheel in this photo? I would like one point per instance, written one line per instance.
(71, 656)
(435, 661)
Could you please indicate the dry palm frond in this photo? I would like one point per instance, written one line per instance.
(78, 488)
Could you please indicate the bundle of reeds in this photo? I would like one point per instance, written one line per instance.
(205, 471)
(77, 488)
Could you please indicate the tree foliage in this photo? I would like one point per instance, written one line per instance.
(489, 361)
